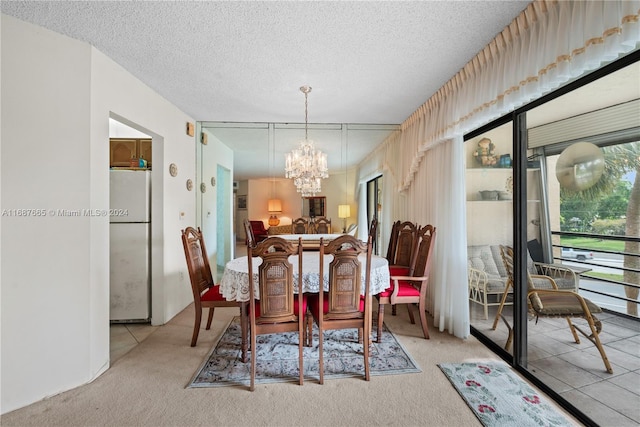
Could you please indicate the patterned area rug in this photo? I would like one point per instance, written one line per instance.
(278, 358)
(499, 397)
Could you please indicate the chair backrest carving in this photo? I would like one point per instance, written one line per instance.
(345, 276)
(197, 261)
(426, 241)
(406, 244)
(275, 279)
(393, 241)
(300, 226)
(322, 225)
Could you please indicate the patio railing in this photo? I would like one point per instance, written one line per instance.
(608, 292)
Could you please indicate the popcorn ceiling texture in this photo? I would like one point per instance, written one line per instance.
(367, 61)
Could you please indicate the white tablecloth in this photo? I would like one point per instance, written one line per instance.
(235, 279)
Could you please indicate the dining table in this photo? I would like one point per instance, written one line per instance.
(234, 285)
(310, 242)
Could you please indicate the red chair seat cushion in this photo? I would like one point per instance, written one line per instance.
(296, 306)
(405, 290)
(397, 270)
(314, 304)
(212, 294)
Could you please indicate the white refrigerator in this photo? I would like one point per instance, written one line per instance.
(130, 246)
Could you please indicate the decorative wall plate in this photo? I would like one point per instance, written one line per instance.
(189, 185)
(213, 182)
(173, 169)
(508, 185)
(203, 187)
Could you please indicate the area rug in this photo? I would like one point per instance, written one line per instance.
(277, 358)
(499, 397)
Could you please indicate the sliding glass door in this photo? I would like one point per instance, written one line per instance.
(518, 195)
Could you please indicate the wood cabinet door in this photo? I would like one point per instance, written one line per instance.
(121, 152)
(144, 150)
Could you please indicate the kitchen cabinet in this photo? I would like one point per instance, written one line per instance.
(122, 150)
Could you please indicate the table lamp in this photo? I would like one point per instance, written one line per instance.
(275, 206)
(344, 212)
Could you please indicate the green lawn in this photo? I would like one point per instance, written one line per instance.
(590, 243)
(608, 276)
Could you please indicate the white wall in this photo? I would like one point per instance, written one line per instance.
(57, 96)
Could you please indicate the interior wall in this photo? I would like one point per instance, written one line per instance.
(56, 104)
(47, 276)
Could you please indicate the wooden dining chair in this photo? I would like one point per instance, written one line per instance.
(276, 307)
(343, 306)
(411, 289)
(205, 292)
(322, 225)
(401, 254)
(300, 226)
(403, 243)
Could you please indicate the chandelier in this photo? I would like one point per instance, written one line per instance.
(306, 165)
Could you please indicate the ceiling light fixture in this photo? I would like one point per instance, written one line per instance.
(306, 165)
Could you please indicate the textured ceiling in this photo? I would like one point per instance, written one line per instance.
(368, 62)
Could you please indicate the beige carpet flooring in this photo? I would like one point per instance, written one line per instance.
(146, 387)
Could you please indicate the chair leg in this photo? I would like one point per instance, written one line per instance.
(321, 356)
(505, 294)
(365, 348)
(210, 318)
(393, 309)
(380, 320)
(413, 320)
(309, 330)
(423, 319)
(253, 362)
(485, 303)
(301, 337)
(595, 326)
(196, 326)
(244, 327)
(573, 331)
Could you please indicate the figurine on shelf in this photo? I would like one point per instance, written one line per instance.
(486, 153)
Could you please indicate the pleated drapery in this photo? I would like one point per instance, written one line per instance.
(549, 44)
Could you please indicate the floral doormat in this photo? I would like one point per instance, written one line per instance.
(277, 358)
(499, 397)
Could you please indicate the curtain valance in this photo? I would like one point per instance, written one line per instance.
(550, 43)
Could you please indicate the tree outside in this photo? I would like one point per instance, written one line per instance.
(611, 206)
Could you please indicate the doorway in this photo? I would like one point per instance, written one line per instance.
(124, 336)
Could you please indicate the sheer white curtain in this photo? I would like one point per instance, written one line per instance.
(549, 44)
(439, 186)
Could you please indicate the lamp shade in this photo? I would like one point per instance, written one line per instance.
(344, 211)
(275, 205)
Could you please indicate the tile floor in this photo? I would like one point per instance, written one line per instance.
(125, 336)
(576, 371)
